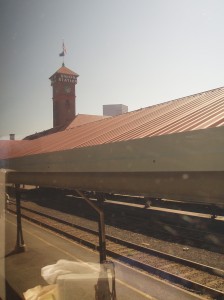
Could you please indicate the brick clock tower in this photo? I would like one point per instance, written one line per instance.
(63, 82)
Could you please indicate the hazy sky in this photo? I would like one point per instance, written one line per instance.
(133, 52)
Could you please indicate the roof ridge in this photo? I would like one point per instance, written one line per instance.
(181, 98)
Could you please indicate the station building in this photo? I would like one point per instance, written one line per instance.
(198, 111)
(70, 130)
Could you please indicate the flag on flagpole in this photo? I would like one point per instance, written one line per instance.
(64, 51)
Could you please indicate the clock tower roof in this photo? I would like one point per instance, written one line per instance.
(66, 71)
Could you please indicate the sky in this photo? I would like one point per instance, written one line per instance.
(132, 52)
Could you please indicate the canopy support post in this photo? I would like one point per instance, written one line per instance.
(102, 287)
(101, 224)
(20, 246)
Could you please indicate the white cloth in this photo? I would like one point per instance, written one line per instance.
(42, 293)
(50, 273)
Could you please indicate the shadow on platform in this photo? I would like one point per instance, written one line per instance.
(10, 293)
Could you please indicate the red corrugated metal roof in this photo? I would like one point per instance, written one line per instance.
(45, 132)
(82, 119)
(79, 120)
(199, 111)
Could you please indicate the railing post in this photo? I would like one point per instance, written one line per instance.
(101, 226)
(20, 246)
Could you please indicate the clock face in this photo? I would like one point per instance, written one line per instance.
(67, 89)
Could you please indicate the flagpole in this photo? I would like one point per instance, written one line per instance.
(63, 46)
(63, 53)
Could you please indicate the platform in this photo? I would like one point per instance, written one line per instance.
(23, 270)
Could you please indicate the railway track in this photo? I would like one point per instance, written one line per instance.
(210, 240)
(168, 226)
(196, 277)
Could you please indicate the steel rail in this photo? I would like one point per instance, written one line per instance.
(146, 267)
